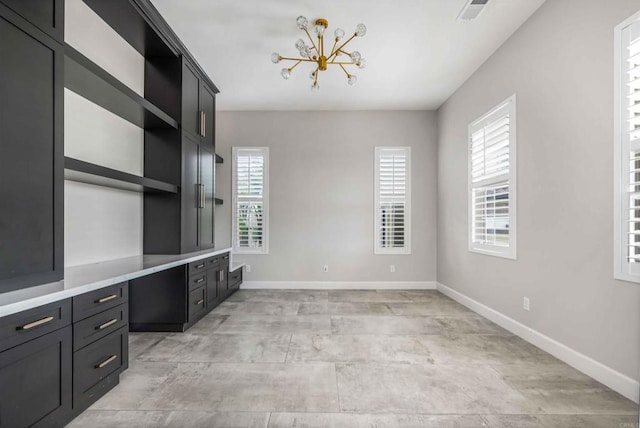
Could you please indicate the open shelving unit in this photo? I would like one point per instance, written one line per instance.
(85, 172)
(89, 80)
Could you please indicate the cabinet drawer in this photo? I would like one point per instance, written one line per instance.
(197, 303)
(197, 267)
(95, 362)
(224, 259)
(213, 262)
(88, 304)
(235, 277)
(197, 280)
(99, 325)
(21, 327)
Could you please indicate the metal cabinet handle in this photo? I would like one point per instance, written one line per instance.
(35, 323)
(106, 362)
(106, 299)
(199, 302)
(204, 123)
(203, 196)
(107, 324)
(221, 275)
(200, 280)
(200, 266)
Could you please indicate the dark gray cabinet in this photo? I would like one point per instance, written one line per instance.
(36, 366)
(198, 106)
(31, 163)
(47, 15)
(36, 382)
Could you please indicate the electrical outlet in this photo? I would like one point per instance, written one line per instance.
(525, 303)
(325, 268)
(247, 268)
(392, 268)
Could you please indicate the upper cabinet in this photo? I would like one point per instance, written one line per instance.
(47, 15)
(198, 106)
(31, 164)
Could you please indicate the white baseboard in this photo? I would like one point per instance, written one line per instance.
(615, 380)
(340, 285)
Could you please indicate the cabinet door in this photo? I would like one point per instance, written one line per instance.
(36, 382)
(31, 156)
(191, 196)
(212, 288)
(207, 110)
(207, 166)
(190, 101)
(47, 15)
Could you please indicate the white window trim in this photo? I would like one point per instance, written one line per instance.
(234, 213)
(509, 252)
(622, 269)
(406, 250)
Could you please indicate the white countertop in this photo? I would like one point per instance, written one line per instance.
(85, 278)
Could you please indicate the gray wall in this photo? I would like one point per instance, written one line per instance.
(560, 65)
(322, 192)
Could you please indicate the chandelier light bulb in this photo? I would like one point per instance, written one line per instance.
(361, 30)
(355, 56)
(304, 53)
(339, 33)
(315, 87)
(362, 63)
(286, 73)
(300, 44)
(353, 80)
(302, 22)
(275, 57)
(319, 30)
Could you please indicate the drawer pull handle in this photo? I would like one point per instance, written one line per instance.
(106, 299)
(107, 324)
(225, 258)
(199, 302)
(200, 280)
(106, 362)
(200, 266)
(35, 323)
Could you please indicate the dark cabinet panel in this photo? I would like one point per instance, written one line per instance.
(213, 294)
(207, 110)
(207, 171)
(100, 325)
(191, 195)
(190, 101)
(197, 304)
(36, 382)
(31, 157)
(47, 15)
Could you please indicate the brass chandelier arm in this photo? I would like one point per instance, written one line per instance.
(340, 48)
(334, 47)
(341, 63)
(295, 65)
(311, 40)
(296, 59)
(343, 69)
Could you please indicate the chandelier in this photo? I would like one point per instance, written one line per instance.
(316, 52)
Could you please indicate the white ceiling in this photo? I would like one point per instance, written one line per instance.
(417, 53)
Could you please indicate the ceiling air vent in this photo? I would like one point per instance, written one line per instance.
(472, 9)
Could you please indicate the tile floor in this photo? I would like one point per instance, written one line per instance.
(267, 358)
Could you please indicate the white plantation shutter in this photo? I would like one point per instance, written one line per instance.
(628, 150)
(492, 182)
(393, 200)
(250, 201)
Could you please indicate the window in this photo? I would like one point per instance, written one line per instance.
(627, 150)
(393, 200)
(251, 200)
(492, 182)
